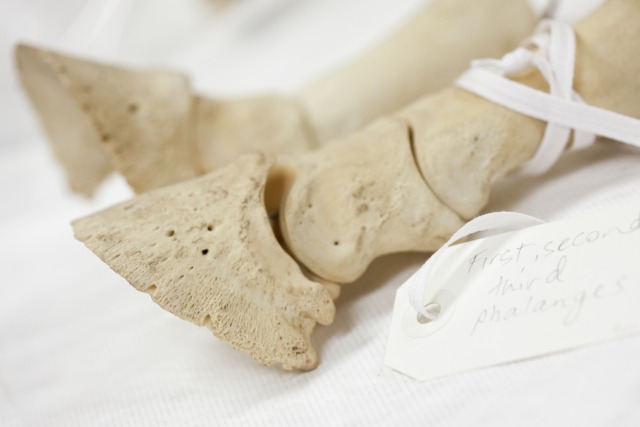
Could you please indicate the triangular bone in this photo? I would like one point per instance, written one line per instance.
(205, 251)
(97, 114)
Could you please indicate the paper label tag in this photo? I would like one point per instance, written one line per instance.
(522, 294)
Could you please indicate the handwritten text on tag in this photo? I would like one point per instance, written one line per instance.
(525, 293)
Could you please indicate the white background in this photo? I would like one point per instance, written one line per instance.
(79, 346)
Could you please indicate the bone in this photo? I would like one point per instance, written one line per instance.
(221, 131)
(359, 198)
(341, 206)
(77, 147)
(462, 144)
(460, 158)
(205, 251)
(148, 125)
(422, 57)
(100, 109)
(151, 127)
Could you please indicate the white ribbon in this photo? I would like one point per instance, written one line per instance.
(552, 51)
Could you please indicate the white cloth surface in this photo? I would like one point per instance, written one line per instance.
(80, 347)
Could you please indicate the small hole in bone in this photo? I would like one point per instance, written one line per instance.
(336, 243)
(205, 251)
(432, 308)
(170, 233)
(210, 227)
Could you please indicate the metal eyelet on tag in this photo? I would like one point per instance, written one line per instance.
(414, 326)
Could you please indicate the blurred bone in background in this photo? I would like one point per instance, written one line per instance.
(227, 47)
